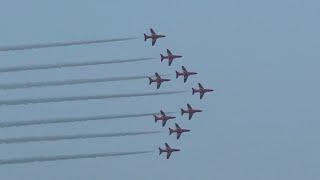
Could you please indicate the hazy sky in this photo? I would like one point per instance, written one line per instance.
(262, 57)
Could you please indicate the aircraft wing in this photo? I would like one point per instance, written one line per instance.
(201, 94)
(168, 154)
(158, 85)
(185, 78)
(177, 126)
(170, 62)
(200, 86)
(167, 145)
(164, 123)
(178, 135)
(184, 69)
(169, 52)
(153, 41)
(152, 31)
(157, 75)
(162, 113)
(190, 115)
(189, 106)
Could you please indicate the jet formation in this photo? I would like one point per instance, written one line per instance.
(157, 79)
(171, 57)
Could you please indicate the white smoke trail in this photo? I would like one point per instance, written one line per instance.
(79, 98)
(67, 82)
(70, 137)
(59, 44)
(72, 64)
(67, 157)
(70, 120)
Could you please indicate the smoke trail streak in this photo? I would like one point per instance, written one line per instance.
(59, 44)
(70, 120)
(79, 98)
(75, 64)
(67, 157)
(67, 82)
(70, 137)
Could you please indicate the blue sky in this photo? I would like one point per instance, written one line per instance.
(262, 57)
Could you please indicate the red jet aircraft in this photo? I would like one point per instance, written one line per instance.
(169, 56)
(190, 111)
(164, 118)
(185, 73)
(154, 36)
(178, 130)
(201, 90)
(168, 150)
(157, 80)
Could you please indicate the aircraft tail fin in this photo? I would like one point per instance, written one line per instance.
(193, 91)
(155, 118)
(162, 57)
(177, 74)
(150, 80)
(170, 131)
(182, 111)
(160, 151)
(145, 37)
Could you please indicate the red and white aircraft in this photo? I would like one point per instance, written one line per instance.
(164, 118)
(190, 111)
(157, 80)
(178, 130)
(185, 73)
(169, 56)
(167, 150)
(201, 90)
(154, 36)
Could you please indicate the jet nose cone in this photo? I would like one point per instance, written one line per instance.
(188, 130)
(200, 110)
